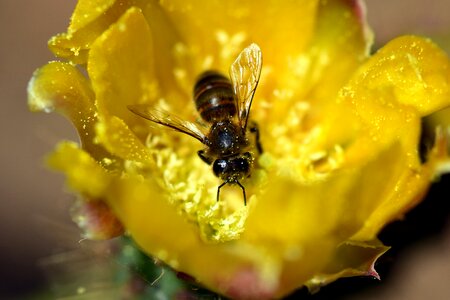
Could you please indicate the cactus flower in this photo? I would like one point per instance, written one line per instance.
(340, 130)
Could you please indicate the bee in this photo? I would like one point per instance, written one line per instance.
(224, 105)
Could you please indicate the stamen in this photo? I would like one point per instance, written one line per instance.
(194, 189)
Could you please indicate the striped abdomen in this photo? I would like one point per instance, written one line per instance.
(214, 97)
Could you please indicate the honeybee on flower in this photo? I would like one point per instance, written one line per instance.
(340, 130)
(226, 107)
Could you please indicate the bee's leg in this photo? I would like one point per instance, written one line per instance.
(255, 129)
(204, 157)
(243, 191)
(218, 190)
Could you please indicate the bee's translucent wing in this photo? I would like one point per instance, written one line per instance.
(165, 118)
(244, 73)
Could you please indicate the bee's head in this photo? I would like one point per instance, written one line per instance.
(234, 168)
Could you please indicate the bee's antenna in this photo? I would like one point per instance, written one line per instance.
(218, 189)
(238, 183)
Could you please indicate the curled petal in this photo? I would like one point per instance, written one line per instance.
(60, 87)
(404, 81)
(408, 189)
(350, 259)
(409, 70)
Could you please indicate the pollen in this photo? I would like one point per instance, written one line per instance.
(298, 152)
(192, 188)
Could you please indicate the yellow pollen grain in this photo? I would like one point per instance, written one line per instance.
(75, 51)
(107, 161)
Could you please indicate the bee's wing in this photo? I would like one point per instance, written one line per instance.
(244, 73)
(165, 118)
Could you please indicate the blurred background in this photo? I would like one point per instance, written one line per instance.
(34, 207)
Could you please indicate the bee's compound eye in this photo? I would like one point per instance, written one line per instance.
(220, 166)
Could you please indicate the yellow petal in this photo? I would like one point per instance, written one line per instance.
(239, 269)
(341, 42)
(89, 20)
(118, 139)
(386, 98)
(157, 227)
(92, 18)
(87, 11)
(84, 174)
(60, 87)
(407, 188)
(121, 67)
(172, 67)
(298, 101)
(319, 215)
(346, 197)
(88, 178)
(409, 70)
(215, 32)
(410, 188)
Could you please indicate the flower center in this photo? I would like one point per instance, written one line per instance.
(301, 153)
(192, 187)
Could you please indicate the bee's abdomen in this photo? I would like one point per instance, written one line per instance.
(214, 97)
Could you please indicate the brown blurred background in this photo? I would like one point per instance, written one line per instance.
(34, 208)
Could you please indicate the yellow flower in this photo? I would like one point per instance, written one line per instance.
(340, 132)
